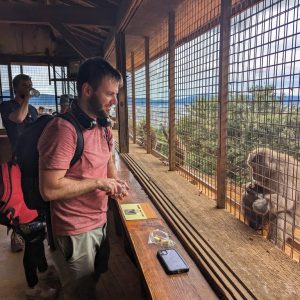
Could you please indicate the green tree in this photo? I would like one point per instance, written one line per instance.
(259, 118)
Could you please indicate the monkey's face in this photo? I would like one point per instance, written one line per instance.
(260, 168)
(266, 168)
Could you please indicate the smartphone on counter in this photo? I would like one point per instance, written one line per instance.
(172, 261)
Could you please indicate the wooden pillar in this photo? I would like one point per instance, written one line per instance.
(122, 109)
(171, 75)
(147, 80)
(133, 97)
(223, 100)
(11, 89)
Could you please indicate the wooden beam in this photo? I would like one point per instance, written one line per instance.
(94, 46)
(35, 59)
(223, 100)
(147, 86)
(133, 97)
(73, 41)
(122, 104)
(113, 2)
(124, 15)
(42, 14)
(171, 76)
(74, 3)
(88, 34)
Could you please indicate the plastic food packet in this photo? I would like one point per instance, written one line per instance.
(161, 238)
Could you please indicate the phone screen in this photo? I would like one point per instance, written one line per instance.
(172, 261)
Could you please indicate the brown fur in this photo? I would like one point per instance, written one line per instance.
(252, 193)
(180, 148)
(280, 174)
(153, 137)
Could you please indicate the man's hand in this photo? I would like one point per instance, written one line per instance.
(26, 95)
(116, 188)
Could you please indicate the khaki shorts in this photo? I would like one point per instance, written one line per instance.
(81, 258)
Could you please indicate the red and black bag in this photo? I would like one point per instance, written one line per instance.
(13, 210)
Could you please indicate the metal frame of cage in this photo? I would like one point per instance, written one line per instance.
(207, 48)
(44, 77)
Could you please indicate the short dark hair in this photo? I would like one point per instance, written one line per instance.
(17, 79)
(93, 70)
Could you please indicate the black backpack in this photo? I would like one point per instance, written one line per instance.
(27, 156)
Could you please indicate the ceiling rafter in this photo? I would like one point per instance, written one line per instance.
(84, 32)
(79, 4)
(114, 2)
(21, 13)
(124, 15)
(72, 40)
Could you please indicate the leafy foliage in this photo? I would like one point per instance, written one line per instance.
(257, 119)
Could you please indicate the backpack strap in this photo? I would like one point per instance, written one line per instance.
(80, 141)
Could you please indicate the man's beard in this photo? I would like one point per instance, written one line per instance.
(95, 107)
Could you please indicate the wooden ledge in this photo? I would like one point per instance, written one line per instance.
(191, 285)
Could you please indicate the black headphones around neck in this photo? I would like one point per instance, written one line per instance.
(86, 121)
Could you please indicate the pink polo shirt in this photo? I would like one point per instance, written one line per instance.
(56, 149)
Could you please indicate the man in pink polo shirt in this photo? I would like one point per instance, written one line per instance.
(78, 194)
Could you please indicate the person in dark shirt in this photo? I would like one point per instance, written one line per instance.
(18, 113)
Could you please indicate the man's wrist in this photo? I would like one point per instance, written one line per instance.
(98, 183)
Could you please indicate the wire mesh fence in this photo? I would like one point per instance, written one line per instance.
(262, 118)
(50, 81)
(196, 90)
(4, 83)
(129, 103)
(264, 113)
(140, 100)
(159, 90)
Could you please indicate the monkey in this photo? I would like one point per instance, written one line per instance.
(252, 193)
(153, 138)
(180, 148)
(279, 173)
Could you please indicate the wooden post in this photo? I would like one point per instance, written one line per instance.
(11, 89)
(133, 97)
(223, 100)
(147, 80)
(122, 109)
(171, 75)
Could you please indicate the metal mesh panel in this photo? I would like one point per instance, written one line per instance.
(50, 90)
(140, 100)
(40, 81)
(129, 103)
(4, 81)
(159, 90)
(196, 76)
(4, 86)
(16, 70)
(264, 112)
